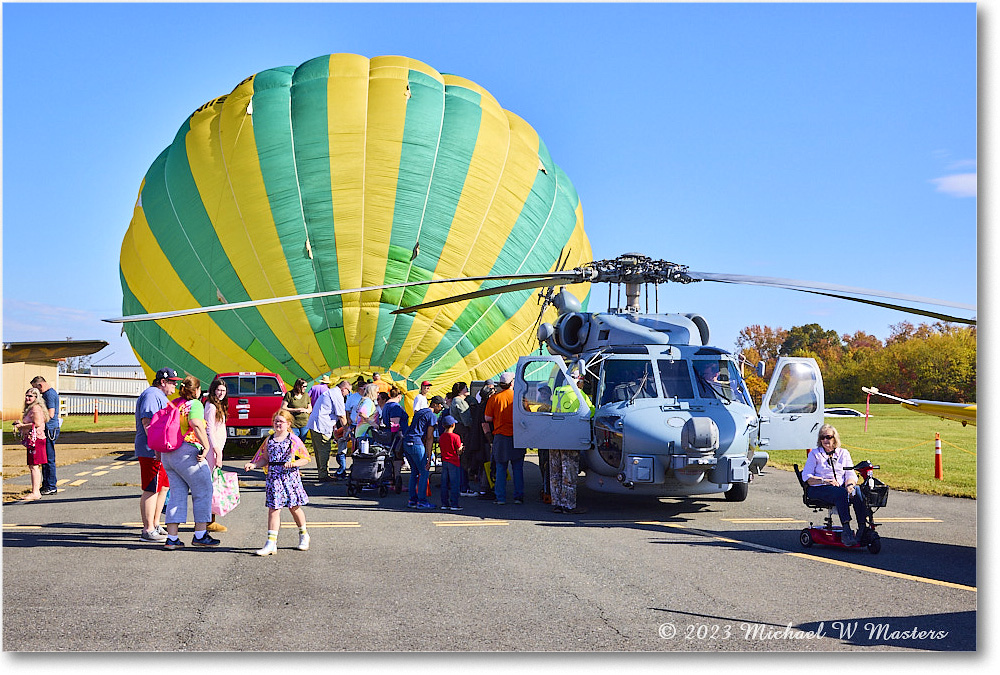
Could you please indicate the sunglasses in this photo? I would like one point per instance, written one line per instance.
(826, 438)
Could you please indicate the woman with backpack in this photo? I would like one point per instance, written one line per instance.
(187, 470)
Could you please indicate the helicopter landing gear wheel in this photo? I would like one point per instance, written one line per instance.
(805, 538)
(738, 492)
(875, 545)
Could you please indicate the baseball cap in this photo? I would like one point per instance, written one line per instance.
(449, 420)
(436, 399)
(506, 378)
(167, 374)
(425, 383)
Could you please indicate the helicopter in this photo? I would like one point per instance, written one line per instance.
(660, 411)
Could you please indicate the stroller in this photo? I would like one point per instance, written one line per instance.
(372, 465)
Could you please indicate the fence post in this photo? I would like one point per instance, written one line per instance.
(938, 468)
(95, 411)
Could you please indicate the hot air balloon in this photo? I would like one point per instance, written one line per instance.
(346, 172)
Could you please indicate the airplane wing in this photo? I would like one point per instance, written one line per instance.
(959, 412)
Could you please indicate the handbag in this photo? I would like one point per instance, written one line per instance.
(35, 444)
(225, 491)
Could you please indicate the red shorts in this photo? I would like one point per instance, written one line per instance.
(152, 475)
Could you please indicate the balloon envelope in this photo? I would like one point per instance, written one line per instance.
(346, 172)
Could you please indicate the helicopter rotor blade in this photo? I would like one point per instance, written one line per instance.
(843, 293)
(796, 285)
(496, 290)
(157, 316)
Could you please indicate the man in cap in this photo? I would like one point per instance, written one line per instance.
(328, 412)
(500, 411)
(152, 475)
(420, 400)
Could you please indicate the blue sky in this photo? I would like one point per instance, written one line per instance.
(835, 143)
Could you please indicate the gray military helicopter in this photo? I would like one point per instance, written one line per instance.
(657, 409)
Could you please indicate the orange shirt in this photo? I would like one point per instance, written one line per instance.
(501, 408)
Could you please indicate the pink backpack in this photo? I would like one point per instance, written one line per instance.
(164, 431)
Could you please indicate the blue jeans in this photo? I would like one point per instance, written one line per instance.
(300, 432)
(838, 496)
(450, 480)
(49, 468)
(416, 455)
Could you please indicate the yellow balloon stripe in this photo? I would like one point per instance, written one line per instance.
(347, 113)
(387, 99)
(197, 334)
(499, 183)
(222, 154)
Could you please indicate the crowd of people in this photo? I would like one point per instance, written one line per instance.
(474, 436)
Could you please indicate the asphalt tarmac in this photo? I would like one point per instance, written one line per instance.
(630, 575)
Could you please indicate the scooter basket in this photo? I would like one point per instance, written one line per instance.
(876, 496)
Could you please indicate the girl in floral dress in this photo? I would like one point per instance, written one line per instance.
(283, 453)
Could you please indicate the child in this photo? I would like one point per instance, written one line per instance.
(283, 453)
(451, 450)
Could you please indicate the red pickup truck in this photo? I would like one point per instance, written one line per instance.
(253, 400)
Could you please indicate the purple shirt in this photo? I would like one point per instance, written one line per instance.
(818, 466)
(316, 391)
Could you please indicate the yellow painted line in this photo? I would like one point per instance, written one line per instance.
(909, 520)
(12, 526)
(814, 558)
(132, 463)
(62, 480)
(82, 473)
(99, 473)
(468, 523)
(323, 524)
(78, 482)
(117, 466)
(762, 520)
(98, 468)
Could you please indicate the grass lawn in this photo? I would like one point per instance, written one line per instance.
(902, 443)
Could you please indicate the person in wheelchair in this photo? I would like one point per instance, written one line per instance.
(831, 479)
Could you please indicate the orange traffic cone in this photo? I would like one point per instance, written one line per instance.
(938, 468)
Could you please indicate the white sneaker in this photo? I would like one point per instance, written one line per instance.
(271, 548)
(303, 542)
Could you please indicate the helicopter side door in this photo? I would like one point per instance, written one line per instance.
(541, 385)
(791, 411)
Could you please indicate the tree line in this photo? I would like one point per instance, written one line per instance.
(930, 361)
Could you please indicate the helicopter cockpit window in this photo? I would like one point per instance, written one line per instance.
(539, 377)
(675, 379)
(795, 390)
(720, 379)
(627, 380)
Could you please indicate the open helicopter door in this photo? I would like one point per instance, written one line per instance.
(549, 410)
(791, 412)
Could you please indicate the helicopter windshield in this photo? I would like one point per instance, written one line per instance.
(627, 380)
(675, 379)
(720, 379)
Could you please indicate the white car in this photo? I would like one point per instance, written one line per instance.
(842, 412)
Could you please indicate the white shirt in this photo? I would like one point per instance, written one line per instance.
(818, 466)
(419, 402)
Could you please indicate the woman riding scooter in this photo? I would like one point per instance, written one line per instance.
(830, 476)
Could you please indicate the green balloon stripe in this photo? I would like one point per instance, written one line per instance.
(273, 133)
(178, 220)
(441, 146)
